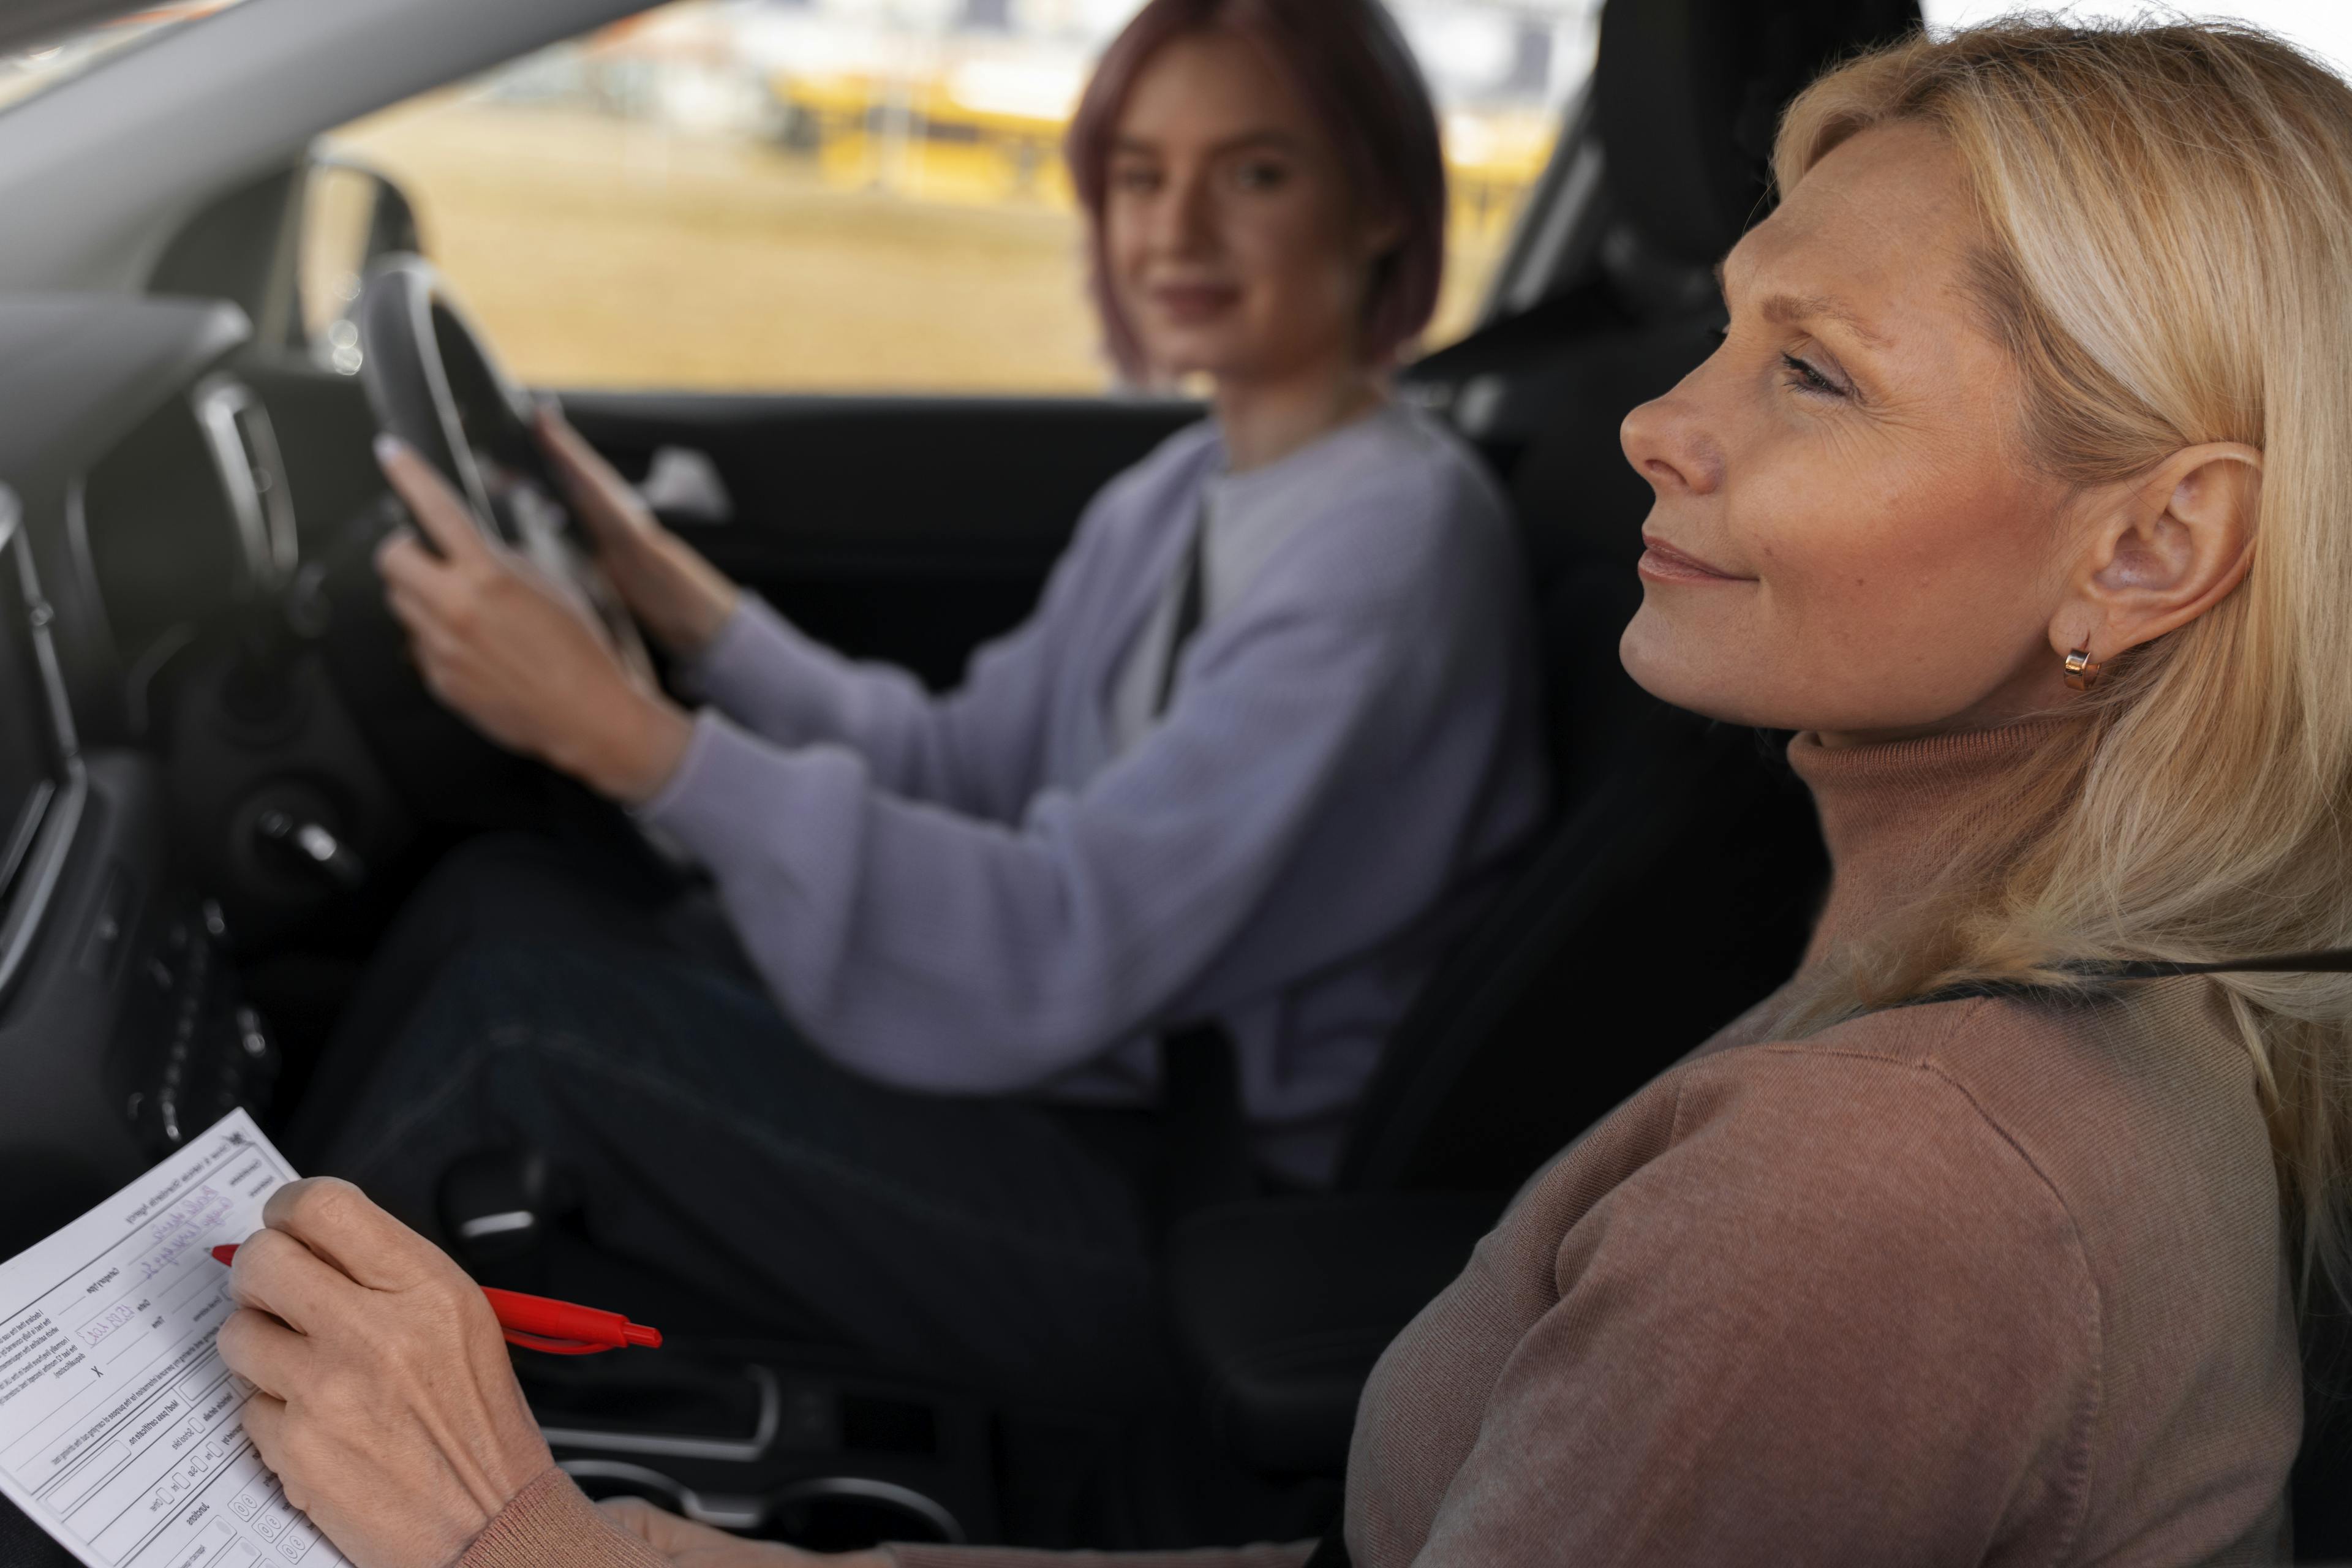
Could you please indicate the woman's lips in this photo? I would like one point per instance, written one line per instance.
(1190, 302)
(1662, 563)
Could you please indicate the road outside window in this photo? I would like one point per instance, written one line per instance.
(845, 196)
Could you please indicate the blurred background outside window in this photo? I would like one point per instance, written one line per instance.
(860, 195)
(2323, 27)
(844, 195)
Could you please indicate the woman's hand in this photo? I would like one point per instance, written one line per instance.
(515, 656)
(384, 1399)
(690, 1545)
(681, 599)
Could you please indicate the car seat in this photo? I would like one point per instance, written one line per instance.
(1677, 882)
(2322, 1492)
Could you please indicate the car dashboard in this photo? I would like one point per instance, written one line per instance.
(175, 676)
(42, 786)
(143, 508)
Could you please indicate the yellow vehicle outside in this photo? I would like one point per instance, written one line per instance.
(914, 138)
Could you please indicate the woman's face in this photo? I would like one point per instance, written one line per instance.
(1846, 538)
(1234, 246)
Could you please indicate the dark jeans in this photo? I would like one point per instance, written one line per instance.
(534, 996)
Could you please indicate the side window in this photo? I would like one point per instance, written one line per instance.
(835, 195)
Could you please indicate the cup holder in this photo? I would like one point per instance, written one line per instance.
(849, 1513)
(824, 1514)
(603, 1479)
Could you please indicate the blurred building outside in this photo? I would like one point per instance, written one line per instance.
(856, 195)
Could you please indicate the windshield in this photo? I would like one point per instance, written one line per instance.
(29, 72)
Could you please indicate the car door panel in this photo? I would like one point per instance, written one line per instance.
(900, 528)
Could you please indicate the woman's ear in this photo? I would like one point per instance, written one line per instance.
(2162, 549)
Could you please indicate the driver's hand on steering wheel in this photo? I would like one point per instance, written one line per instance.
(678, 598)
(514, 655)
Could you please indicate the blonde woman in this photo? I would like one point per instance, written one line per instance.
(2022, 485)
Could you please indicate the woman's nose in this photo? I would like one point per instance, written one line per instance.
(1665, 444)
(1187, 217)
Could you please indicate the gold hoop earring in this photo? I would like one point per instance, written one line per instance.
(2081, 669)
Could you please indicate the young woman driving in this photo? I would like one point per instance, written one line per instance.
(1264, 744)
(2022, 485)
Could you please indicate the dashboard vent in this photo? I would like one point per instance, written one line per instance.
(245, 447)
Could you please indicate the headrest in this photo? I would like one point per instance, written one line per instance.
(1687, 94)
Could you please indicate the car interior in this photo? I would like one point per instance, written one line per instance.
(219, 778)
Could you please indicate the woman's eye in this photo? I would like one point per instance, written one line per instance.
(1806, 378)
(1135, 179)
(1260, 176)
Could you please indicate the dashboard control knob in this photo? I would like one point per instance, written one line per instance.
(314, 842)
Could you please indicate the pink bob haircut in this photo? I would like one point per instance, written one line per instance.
(1358, 77)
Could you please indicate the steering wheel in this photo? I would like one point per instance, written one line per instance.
(432, 382)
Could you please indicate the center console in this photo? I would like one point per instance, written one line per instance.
(771, 1443)
(188, 1050)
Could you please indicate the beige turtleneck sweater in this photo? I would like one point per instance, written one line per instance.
(1980, 1281)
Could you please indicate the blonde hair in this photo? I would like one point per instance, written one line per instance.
(2166, 212)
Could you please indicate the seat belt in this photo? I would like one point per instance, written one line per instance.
(1207, 1159)
(2330, 960)
(1192, 608)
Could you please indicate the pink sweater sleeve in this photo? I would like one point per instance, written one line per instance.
(551, 1524)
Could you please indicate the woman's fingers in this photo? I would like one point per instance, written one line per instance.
(413, 611)
(264, 1352)
(341, 1226)
(276, 1274)
(426, 621)
(402, 561)
(393, 1417)
(265, 1422)
(597, 493)
(574, 462)
(679, 598)
(440, 511)
(528, 664)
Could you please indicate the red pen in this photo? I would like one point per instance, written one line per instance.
(537, 1323)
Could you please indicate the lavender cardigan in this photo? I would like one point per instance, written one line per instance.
(972, 893)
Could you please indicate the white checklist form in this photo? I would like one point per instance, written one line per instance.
(121, 1431)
